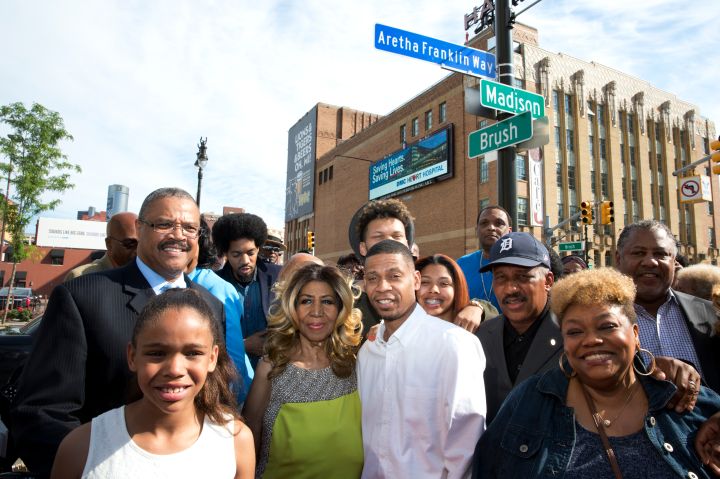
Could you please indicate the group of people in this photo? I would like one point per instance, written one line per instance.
(195, 358)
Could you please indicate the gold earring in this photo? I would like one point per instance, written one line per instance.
(652, 361)
(562, 367)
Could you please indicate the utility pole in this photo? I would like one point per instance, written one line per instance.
(507, 177)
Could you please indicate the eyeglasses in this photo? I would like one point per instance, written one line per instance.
(128, 243)
(273, 249)
(165, 227)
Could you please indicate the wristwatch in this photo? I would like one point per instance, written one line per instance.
(476, 302)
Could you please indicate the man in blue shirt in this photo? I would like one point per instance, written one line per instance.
(239, 237)
(492, 223)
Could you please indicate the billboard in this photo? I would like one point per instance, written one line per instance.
(301, 167)
(61, 233)
(420, 164)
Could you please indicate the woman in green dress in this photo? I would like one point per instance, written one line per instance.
(303, 407)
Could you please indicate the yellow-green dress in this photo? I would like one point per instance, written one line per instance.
(311, 428)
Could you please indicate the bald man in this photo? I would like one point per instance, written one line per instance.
(121, 243)
(297, 261)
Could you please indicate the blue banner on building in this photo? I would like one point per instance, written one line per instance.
(425, 162)
(301, 167)
(450, 55)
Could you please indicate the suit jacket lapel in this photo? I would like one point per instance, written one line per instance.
(136, 287)
(545, 345)
(497, 351)
(694, 312)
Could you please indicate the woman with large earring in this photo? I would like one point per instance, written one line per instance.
(303, 407)
(600, 413)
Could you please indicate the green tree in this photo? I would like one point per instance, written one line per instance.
(36, 168)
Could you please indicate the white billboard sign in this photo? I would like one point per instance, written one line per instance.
(62, 233)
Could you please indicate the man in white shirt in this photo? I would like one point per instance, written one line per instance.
(420, 379)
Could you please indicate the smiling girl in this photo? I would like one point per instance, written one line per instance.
(443, 290)
(185, 424)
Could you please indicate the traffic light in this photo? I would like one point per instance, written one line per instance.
(607, 213)
(310, 239)
(586, 212)
(715, 155)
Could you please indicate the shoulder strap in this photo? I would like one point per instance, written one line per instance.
(601, 430)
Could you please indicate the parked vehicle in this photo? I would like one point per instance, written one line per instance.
(22, 297)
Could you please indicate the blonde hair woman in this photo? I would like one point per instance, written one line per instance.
(303, 401)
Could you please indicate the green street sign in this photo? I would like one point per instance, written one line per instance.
(500, 135)
(572, 246)
(510, 99)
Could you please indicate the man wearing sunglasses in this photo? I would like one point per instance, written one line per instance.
(121, 243)
(272, 250)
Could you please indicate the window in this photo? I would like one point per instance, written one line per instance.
(484, 171)
(325, 175)
(522, 211)
(415, 127)
(57, 256)
(428, 119)
(521, 168)
(443, 112)
(403, 134)
(320, 180)
(484, 203)
(330, 174)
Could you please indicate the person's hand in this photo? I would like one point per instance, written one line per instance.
(707, 443)
(684, 376)
(255, 343)
(470, 317)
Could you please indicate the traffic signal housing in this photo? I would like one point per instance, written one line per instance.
(310, 239)
(715, 155)
(607, 212)
(586, 212)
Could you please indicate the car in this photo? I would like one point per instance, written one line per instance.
(15, 344)
(22, 297)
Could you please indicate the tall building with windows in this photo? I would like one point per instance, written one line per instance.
(613, 137)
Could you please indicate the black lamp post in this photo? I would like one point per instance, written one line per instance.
(201, 161)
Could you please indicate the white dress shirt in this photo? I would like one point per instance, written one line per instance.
(157, 282)
(423, 399)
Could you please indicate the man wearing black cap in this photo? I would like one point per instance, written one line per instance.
(524, 340)
(272, 250)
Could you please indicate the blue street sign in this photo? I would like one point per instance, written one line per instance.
(448, 55)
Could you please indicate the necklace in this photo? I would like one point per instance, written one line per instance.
(631, 393)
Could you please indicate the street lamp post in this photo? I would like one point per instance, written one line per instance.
(201, 161)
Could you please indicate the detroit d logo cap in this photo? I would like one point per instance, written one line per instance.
(518, 249)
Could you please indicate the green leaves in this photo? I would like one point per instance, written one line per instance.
(35, 165)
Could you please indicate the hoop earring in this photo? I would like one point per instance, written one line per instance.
(652, 361)
(562, 367)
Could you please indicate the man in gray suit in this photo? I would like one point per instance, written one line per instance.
(671, 323)
(525, 339)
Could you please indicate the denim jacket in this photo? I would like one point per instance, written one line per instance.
(533, 434)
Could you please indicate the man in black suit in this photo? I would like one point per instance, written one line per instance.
(78, 368)
(525, 339)
(240, 237)
(671, 323)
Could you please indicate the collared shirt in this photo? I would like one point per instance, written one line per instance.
(667, 334)
(479, 284)
(253, 318)
(157, 282)
(423, 399)
(516, 345)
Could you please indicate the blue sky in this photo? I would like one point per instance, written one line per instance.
(139, 82)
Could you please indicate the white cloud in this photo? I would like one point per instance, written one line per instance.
(139, 82)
